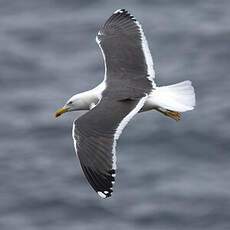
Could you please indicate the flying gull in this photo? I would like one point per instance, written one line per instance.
(128, 88)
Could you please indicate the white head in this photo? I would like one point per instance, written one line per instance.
(80, 101)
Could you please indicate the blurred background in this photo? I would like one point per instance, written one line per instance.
(172, 175)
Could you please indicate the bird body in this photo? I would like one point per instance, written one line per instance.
(178, 97)
(127, 89)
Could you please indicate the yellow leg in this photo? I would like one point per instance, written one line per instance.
(172, 114)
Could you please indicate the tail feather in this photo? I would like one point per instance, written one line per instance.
(179, 97)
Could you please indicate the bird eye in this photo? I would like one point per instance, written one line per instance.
(69, 103)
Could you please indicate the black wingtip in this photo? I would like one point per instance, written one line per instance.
(120, 11)
(105, 194)
(125, 12)
(108, 193)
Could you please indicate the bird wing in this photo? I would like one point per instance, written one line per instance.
(95, 135)
(126, 54)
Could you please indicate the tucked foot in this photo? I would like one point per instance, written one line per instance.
(169, 113)
(173, 114)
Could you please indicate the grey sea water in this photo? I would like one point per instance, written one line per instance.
(172, 175)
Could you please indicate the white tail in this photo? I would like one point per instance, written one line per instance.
(179, 97)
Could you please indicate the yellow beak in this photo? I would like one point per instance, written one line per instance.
(59, 112)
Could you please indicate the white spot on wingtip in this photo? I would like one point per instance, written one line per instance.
(118, 11)
(101, 194)
(106, 192)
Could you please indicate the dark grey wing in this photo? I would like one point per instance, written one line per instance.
(126, 53)
(95, 134)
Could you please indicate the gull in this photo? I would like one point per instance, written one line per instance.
(127, 89)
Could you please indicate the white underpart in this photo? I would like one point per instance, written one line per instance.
(122, 125)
